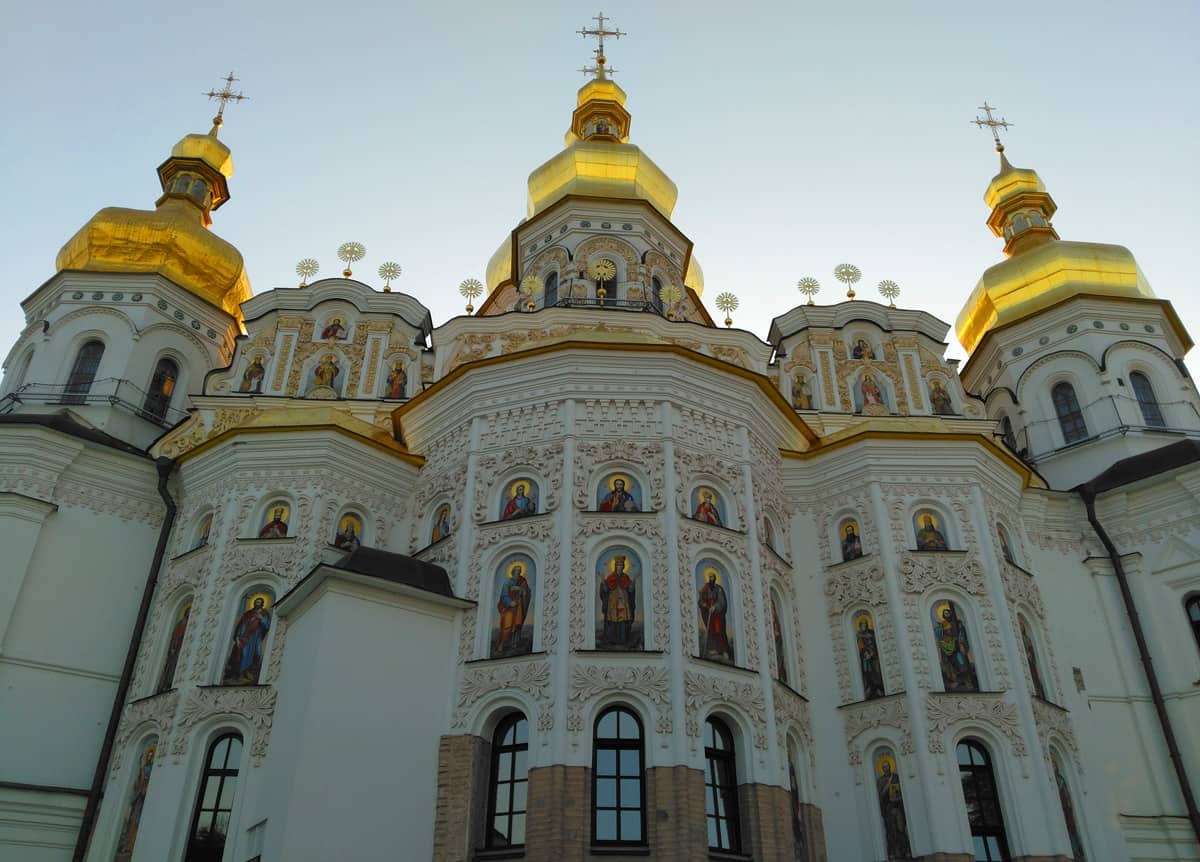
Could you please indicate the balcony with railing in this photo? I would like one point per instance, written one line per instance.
(109, 391)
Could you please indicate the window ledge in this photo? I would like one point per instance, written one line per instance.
(615, 850)
(502, 853)
(728, 856)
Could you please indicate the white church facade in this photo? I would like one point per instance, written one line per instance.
(583, 573)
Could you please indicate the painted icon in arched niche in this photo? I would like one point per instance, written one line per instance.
(1005, 544)
(799, 833)
(708, 506)
(927, 527)
(203, 531)
(953, 647)
(801, 392)
(244, 663)
(441, 523)
(1035, 672)
(335, 329)
(851, 539)
(520, 499)
(619, 492)
(396, 385)
(870, 393)
(715, 608)
(862, 349)
(252, 377)
(620, 622)
(349, 532)
(512, 626)
(869, 663)
(324, 375)
(275, 521)
(166, 679)
(781, 657)
(137, 800)
(891, 805)
(939, 399)
(1068, 809)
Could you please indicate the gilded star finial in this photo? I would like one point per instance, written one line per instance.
(600, 70)
(225, 95)
(992, 123)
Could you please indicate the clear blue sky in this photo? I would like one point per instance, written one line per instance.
(800, 135)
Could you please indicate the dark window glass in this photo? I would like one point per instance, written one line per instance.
(720, 788)
(1192, 606)
(83, 372)
(214, 802)
(983, 802)
(509, 783)
(656, 295)
(1151, 414)
(551, 291)
(618, 809)
(1070, 417)
(1006, 431)
(161, 387)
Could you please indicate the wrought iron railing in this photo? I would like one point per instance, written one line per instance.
(112, 391)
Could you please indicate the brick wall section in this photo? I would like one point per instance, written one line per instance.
(675, 823)
(766, 822)
(559, 823)
(463, 763)
(814, 833)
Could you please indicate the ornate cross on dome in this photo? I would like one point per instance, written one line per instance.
(224, 96)
(992, 123)
(599, 32)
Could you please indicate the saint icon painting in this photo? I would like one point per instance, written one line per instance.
(244, 663)
(520, 500)
(716, 638)
(708, 506)
(619, 492)
(512, 625)
(619, 616)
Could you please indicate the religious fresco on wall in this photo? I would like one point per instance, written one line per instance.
(799, 837)
(927, 527)
(441, 523)
(768, 535)
(801, 393)
(850, 539)
(520, 499)
(1035, 673)
(203, 531)
(939, 399)
(275, 523)
(620, 622)
(862, 349)
(252, 377)
(780, 648)
(349, 532)
(619, 492)
(166, 679)
(249, 642)
(323, 381)
(953, 647)
(891, 805)
(334, 330)
(708, 506)
(137, 800)
(1005, 544)
(396, 385)
(1068, 809)
(715, 609)
(868, 393)
(869, 664)
(512, 625)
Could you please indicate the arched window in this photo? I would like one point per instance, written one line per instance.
(1192, 606)
(618, 764)
(1006, 433)
(656, 294)
(983, 802)
(508, 783)
(1035, 673)
(1151, 414)
(1070, 417)
(83, 372)
(214, 802)
(1068, 809)
(550, 291)
(781, 656)
(171, 661)
(720, 788)
(158, 399)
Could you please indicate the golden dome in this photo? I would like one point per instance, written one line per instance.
(695, 276)
(598, 160)
(499, 268)
(172, 240)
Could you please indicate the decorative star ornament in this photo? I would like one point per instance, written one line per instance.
(670, 294)
(531, 286)
(727, 303)
(350, 252)
(848, 274)
(387, 271)
(890, 290)
(810, 287)
(470, 288)
(306, 269)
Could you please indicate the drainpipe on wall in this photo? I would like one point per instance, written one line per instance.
(96, 791)
(1139, 636)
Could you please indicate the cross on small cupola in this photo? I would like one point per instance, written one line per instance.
(600, 70)
(992, 123)
(225, 95)
(601, 114)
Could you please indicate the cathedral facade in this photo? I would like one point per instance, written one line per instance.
(582, 572)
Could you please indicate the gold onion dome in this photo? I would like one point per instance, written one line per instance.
(173, 239)
(597, 161)
(1041, 270)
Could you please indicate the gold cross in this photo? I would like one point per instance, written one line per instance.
(992, 123)
(599, 32)
(225, 96)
